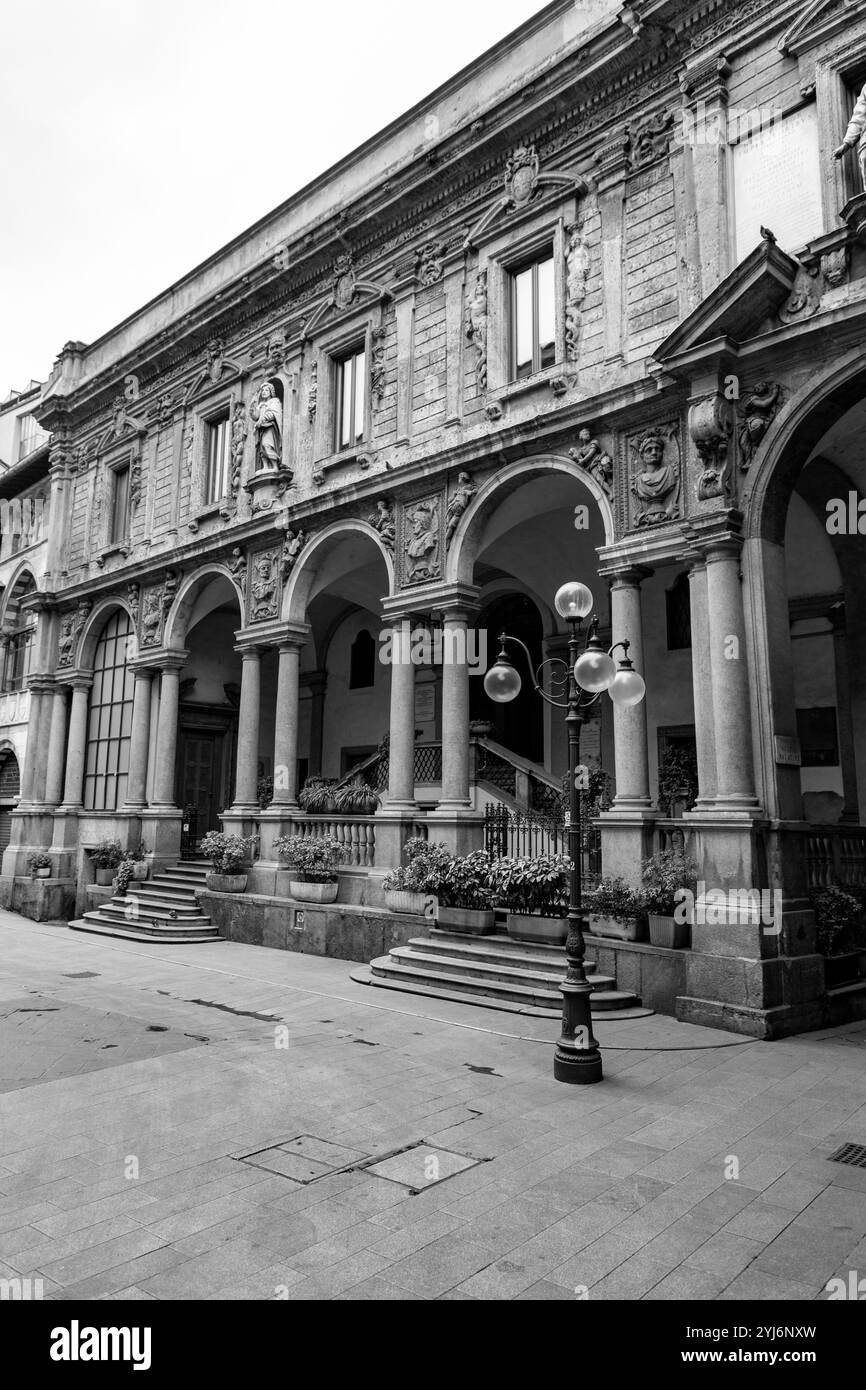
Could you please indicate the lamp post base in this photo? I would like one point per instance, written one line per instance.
(577, 1058)
(578, 1068)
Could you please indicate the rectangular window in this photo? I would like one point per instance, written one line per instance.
(533, 317)
(31, 435)
(120, 509)
(217, 473)
(17, 661)
(351, 399)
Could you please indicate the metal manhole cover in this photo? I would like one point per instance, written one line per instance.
(852, 1154)
(422, 1165)
(304, 1158)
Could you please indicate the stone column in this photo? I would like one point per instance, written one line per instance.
(286, 732)
(702, 684)
(34, 773)
(401, 752)
(315, 682)
(246, 776)
(735, 780)
(455, 712)
(136, 786)
(631, 758)
(73, 789)
(844, 720)
(56, 747)
(166, 739)
(152, 743)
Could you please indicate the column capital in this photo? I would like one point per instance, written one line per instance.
(437, 598)
(249, 651)
(41, 683)
(725, 548)
(166, 660)
(629, 576)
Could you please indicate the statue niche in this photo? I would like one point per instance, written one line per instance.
(270, 479)
(655, 478)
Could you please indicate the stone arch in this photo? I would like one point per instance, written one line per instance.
(93, 628)
(797, 428)
(467, 539)
(8, 594)
(499, 588)
(298, 591)
(178, 618)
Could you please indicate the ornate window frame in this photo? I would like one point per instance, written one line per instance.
(208, 410)
(352, 334)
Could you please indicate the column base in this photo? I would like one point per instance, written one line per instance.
(626, 840)
(393, 827)
(460, 829)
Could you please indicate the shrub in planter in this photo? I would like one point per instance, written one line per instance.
(39, 865)
(315, 863)
(229, 855)
(106, 856)
(317, 795)
(837, 917)
(408, 888)
(464, 893)
(614, 910)
(662, 876)
(535, 892)
(357, 798)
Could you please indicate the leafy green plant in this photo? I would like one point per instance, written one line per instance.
(662, 875)
(836, 915)
(123, 876)
(356, 798)
(40, 860)
(107, 854)
(465, 882)
(678, 773)
(317, 795)
(427, 863)
(229, 854)
(317, 859)
(532, 885)
(265, 791)
(612, 897)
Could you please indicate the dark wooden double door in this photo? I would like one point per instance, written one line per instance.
(205, 768)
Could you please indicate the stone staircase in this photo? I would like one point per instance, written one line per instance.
(495, 972)
(163, 908)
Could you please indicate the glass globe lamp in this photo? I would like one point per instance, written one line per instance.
(628, 688)
(502, 681)
(595, 670)
(573, 601)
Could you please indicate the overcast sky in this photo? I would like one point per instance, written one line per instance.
(138, 136)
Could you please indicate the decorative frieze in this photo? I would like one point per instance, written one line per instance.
(458, 501)
(382, 520)
(476, 328)
(711, 426)
(757, 411)
(589, 455)
(649, 139)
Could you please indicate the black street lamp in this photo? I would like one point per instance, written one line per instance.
(581, 680)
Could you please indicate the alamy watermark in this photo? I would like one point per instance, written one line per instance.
(441, 646)
(717, 907)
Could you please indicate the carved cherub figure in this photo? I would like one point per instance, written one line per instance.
(462, 496)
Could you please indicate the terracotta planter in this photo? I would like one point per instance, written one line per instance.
(552, 931)
(841, 970)
(466, 919)
(618, 928)
(400, 900)
(667, 932)
(105, 877)
(313, 892)
(42, 873)
(226, 883)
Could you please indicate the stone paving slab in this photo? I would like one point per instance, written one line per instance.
(134, 1078)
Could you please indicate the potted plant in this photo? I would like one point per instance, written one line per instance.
(614, 910)
(662, 875)
(123, 876)
(39, 865)
(229, 855)
(317, 795)
(409, 887)
(535, 892)
(678, 779)
(138, 859)
(106, 855)
(465, 896)
(315, 863)
(356, 798)
(837, 915)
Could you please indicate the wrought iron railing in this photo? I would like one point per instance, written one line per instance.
(189, 833)
(526, 834)
(493, 768)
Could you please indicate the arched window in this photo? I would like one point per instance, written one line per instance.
(19, 627)
(362, 661)
(110, 720)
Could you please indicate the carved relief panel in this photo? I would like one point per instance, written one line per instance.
(421, 540)
(653, 464)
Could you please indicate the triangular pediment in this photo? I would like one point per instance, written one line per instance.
(218, 375)
(817, 20)
(738, 307)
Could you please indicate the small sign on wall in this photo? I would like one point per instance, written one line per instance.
(787, 750)
(425, 702)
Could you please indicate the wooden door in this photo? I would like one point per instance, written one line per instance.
(201, 773)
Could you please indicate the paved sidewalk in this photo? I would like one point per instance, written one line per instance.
(186, 1122)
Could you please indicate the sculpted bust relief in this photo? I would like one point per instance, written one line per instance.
(656, 480)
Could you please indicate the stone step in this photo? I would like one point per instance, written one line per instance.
(496, 950)
(186, 882)
(363, 975)
(183, 904)
(535, 995)
(125, 910)
(490, 969)
(91, 922)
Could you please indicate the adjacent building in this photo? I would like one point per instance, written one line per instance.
(593, 309)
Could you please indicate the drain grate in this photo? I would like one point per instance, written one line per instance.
(304, 1158)
(421, 1165)
(852, 1154)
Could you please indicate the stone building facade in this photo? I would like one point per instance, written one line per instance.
(592, 310)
